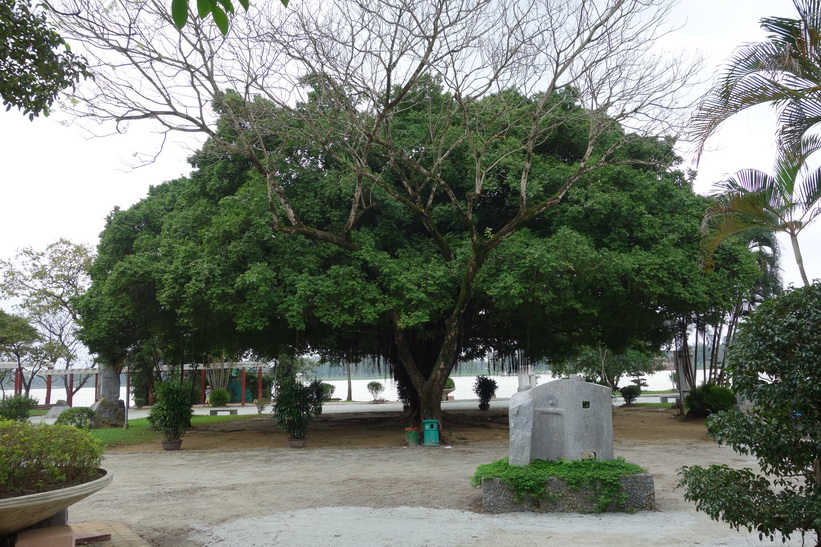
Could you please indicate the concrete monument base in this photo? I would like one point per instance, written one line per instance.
(560, 498)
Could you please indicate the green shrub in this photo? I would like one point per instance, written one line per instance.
(171, 412)
(81, 417)
(41, 457)
(708, 399)
(327, 391)
(529, 480)
(450, 384)
(375, 388)
(16, 407)
(774, 363)
(630, 393)
(139, 402)
(485, 389)
(295, 407)
(220, 397)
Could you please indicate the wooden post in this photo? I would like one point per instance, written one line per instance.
(17, 383)
(242, 387)
(70, 389)
(259, 383)
(96, 387)
(48, 388)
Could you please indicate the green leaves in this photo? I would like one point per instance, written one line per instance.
(218, 9)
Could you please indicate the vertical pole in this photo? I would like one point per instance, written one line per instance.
(202, 386)
(17, 383)
(96, 387)
(127, 388)
(70, 389)
(259, 383)
(242, 387)
(48, 387)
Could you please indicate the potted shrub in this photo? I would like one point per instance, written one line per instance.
(295, 406)
(485, 389)
(171, 412)
(44, 469)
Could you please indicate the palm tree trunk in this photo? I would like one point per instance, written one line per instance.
(798, 259)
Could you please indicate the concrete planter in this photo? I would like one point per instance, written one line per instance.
(640, 490)
(23, 511)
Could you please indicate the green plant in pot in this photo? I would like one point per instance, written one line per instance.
(43, 470)
(295, 407)
(485, 389)
(171, 412)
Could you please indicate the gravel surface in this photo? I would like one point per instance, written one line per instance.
(373, 496)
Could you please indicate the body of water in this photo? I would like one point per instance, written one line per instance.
(508, 385)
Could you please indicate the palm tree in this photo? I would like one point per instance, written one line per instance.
(786, 201)
(784, 70)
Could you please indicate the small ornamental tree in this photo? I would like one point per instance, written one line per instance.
(774, 363)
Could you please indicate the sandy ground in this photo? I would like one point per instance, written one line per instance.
(357, 484)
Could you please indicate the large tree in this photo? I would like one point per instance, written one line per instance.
(332, 89)
(784, 71)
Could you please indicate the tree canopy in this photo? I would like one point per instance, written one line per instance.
(406, 146)
(196, 270)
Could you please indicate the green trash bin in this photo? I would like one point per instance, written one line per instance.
(430, 432)
(412, 436)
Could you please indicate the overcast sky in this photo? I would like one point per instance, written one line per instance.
(57, 183)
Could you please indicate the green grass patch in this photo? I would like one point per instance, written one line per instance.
(139, 430)
(38, 412)
(528, 481)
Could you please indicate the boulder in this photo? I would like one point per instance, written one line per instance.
(109, 413)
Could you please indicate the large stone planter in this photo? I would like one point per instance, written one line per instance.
(641, 496)
(23, 511)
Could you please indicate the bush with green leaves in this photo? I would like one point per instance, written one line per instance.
(171, 412)
(528, 481)
(708, 399)
(630, 393)
(375, 389)
(485, 389)
(295, 407)
(17, 407)
(219, 397)
(773, 362)
(327, 391)
(40, 457)
(81, 417)
(450, 384)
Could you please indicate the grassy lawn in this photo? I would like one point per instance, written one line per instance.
(139, 430)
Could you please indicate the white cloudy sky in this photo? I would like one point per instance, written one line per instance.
(54, 182)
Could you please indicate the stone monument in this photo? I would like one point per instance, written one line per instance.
(562, 419)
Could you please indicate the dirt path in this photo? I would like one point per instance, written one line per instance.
(358, 484)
